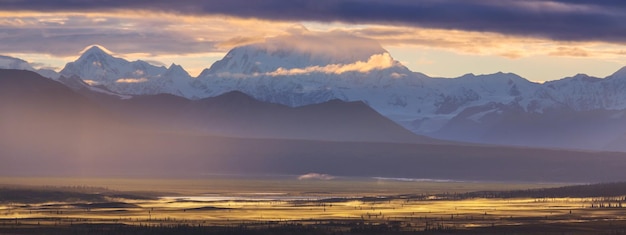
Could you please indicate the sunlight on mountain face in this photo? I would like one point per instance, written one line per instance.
(99, 47)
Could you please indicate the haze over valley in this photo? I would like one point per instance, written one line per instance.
(305, 109)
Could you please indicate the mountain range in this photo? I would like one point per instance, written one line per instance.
(579, 112)
(69, 128)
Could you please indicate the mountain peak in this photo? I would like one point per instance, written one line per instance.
(177, 71)
(97, 64)
(585, 78)
(495, 76)
(619, 74)
(95, 54)
(175, 67)
(95, 50)
(297, 51)
(234, 98)
(235, 95)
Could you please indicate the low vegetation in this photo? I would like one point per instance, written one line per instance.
(579, 209)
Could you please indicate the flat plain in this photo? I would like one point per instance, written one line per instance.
(285, 205)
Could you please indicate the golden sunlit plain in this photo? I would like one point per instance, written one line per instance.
(331, 205)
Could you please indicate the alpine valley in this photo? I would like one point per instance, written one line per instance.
(322, 97)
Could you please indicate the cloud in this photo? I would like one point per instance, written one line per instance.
(375, 62)
(397, 75)
(341, 46)
(463, 41)
(154, 62)
(570, 51)
(480, 43)
(149, 33)
(578, 20)
(45, 66)
(91, 82)
(239, 41)
(128, 32)
(131, 80)
(196, 33)
(512, 54)
(315, 176)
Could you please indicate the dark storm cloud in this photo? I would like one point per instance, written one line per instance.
(67, 42)
(577, 20)
(71, 34)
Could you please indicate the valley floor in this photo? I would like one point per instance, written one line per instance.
(99, 210)
(557, 224)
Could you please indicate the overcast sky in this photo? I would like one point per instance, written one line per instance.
(539, 40)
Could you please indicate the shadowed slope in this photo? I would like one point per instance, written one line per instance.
(237, 114)
(49, 130)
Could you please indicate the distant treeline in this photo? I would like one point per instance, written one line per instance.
(39, 196)
(327, 228)
(617, 189)
(121, 229)
(48, 194)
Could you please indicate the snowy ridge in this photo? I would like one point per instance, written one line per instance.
(7, 62)
(418, 102)
(583, 92)
(295, 51)
(303, 70)
(98, 67)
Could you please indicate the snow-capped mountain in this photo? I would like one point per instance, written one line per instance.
(418, 102)
(583, 92)
(304, 69)
(294, 52)
(500, 108)
(578, 112)
(97, 66)
(7, 62)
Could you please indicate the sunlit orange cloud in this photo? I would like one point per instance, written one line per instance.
(375, 62)
(131, 80)
(570, 51)
(91, 82)
(159, 33)
(196, 41)
(472, 43)
(227, 32)
(53, 39)
(484, 43)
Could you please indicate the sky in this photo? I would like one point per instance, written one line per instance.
(536, 39)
